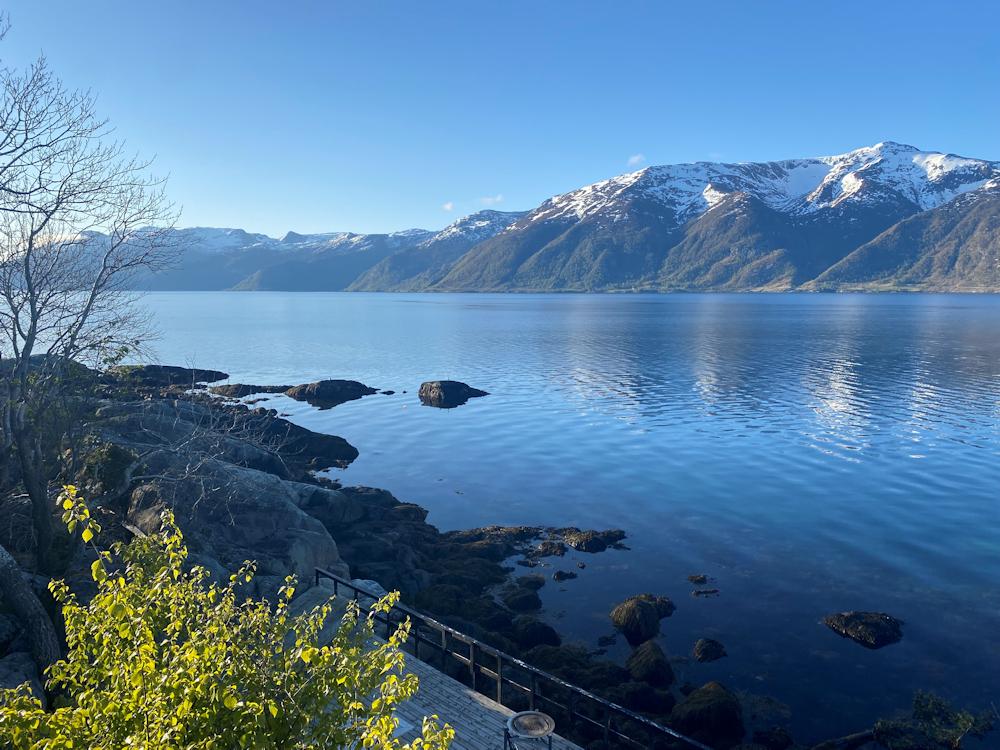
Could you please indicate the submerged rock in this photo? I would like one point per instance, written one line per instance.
(708, 649)
(870, 629)
(649, 664)
(710, 714)
(325, 394)
(563, 575)
(698, 579)
(447, 394)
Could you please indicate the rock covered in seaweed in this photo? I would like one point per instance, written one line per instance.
(638, 617)
(711, 714)
(649, 664)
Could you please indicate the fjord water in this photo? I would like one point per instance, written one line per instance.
(811, 453)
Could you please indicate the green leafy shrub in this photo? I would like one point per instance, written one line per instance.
(162, 658)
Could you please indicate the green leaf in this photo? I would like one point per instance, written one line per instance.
(87, 535)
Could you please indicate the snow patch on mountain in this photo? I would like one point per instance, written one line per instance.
(478, 226)
(884, 172)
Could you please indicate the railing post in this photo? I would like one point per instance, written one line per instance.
(472, 664)
(534, 689)
(444, 649)
(499, 679)
(607, 728)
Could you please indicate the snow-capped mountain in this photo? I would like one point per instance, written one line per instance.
(883, 216)
(886, 171)
(770, 225)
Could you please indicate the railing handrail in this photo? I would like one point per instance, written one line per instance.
(503, 656)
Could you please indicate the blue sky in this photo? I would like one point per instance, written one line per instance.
(378, 116)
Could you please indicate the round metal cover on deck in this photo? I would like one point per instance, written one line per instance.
(529, 724)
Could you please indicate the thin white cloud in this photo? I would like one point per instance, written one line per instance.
(636, 159)
(448, 206)
(492, 200)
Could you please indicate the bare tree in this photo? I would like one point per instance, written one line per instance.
(80, 218)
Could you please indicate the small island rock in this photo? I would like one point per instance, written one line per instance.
(447, 394)
(326, 394)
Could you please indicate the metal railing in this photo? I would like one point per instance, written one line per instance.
(583, 710)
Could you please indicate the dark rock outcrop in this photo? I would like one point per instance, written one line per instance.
(870, 629)
(253, 438)
(447, 394)
(325, 394)
(164, 375)
(708, 649)
(710, 714)
(649, 664)
(590, 540)
(529, 633)
(241, 390)
(521, 599)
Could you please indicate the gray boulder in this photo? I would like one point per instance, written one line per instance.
(17, 668)
(234, 514)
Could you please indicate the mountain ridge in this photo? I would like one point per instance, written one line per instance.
(879, 217)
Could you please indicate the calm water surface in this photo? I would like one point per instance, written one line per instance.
(812, 453)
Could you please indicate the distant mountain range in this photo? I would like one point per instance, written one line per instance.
(883, 217)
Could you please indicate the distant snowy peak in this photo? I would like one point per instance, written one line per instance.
(886, 172)
(352, 241)
(211, 239)
(478, 226)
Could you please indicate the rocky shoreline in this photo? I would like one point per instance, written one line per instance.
(242, 483)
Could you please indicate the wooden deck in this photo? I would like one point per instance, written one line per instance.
(478, 721)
